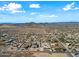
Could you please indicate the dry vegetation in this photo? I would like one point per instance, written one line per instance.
(40, 40)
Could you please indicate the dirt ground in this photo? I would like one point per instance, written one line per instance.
(44, 54)
(33, 54)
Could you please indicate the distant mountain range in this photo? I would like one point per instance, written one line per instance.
(44, 24)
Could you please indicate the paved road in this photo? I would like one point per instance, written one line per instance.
(66, 48)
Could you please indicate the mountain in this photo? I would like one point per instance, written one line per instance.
(43, 24)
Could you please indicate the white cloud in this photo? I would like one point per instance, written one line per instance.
(12, 7)
(33, 13)
(17, 11)
(34, 5)
(48, 16)
(70, 7)
(76, 8)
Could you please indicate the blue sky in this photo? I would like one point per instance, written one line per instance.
(39, 11)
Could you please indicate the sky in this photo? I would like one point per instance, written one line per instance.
(39, 11)
(39, 0)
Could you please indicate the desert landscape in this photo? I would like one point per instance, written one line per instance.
(39, 40)
(39, 28)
